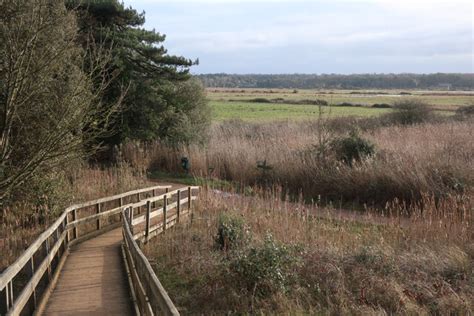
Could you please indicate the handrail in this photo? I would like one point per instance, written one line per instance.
(150, 296)
(58, 234)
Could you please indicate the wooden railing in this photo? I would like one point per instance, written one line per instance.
(149, 296)
(35, 272)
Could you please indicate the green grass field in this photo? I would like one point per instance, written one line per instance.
(249, 111)
(236, 103)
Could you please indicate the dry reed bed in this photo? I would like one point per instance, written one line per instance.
(418, 265)
(409, 161)
(21, 223)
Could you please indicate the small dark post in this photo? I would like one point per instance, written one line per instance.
(74, 230)
(154, 202)
(165, 205)
(147, 229)
(138, 200)
(178, 205)
(120, 204)
(66, 240)
(98, 212)
(190, 195)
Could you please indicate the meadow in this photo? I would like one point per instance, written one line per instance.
(251, 111)
(238, 103)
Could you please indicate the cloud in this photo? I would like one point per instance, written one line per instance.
(284, 35)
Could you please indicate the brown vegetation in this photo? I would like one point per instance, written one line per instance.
(22, 222)
(418, 266)
(433, 158)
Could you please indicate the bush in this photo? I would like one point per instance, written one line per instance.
(465, 111)
(381, 106)
(266, 268)
(260, 100)
(230, 232)
(409, 112)
(352, 148)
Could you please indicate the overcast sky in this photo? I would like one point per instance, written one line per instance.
(318, 36)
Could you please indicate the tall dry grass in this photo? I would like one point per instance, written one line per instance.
(23, 221)
(433, 158)
(363, 266)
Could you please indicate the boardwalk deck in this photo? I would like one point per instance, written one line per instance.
(94, 274)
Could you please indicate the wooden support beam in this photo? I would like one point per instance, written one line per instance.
(74, 230)
(98, 212)
(130, 213)
(178, 205)
(31, 274)
(147, 225)
(165, 206)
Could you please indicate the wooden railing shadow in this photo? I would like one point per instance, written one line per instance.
(25, 285)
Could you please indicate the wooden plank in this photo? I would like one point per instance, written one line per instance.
(93, 280)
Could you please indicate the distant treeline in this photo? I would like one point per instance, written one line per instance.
(439, 81)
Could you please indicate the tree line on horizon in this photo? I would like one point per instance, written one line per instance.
(437, 81)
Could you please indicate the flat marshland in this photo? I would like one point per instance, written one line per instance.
(299, 104)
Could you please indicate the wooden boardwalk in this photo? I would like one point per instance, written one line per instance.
(93, 280)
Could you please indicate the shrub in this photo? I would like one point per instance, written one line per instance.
(352, 148)
(266, 268)
(381, 106)
(260, 100)
(465, 111)
(230, 231)
(408, 112)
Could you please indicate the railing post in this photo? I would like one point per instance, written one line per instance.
(147, 228)
(154, 202)
(130, 214)
(178, 205)
(120, 205)
(74, 230)
(66, 240)
(138, 200)
(165, 206)
(9, 295)
(46, 244)
(190, 195)
(98, 212)
(32, 273)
